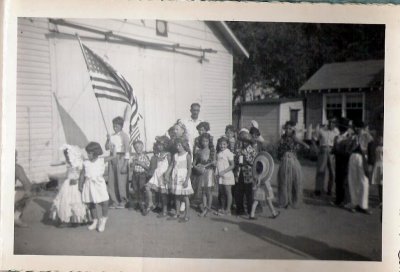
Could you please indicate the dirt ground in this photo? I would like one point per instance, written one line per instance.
(315, 231)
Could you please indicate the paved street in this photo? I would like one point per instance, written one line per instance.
(315, 231)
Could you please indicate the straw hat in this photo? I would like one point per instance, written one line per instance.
(263, 166)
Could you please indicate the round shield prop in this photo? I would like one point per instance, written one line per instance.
(263, 166)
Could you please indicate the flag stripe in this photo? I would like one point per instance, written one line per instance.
(111, 90)
(110, 97)
(121, 97)
(99, 79)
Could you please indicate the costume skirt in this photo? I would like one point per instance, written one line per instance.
(290, 181)
(68, 206)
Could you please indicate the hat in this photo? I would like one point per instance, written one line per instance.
(246, 137)
(263, 166)
(254, 123)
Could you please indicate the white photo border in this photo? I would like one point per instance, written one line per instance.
(227, 11)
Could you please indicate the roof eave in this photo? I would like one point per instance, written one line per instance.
(231, 38)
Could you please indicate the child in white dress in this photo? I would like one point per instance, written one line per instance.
(225, 177)
(93, 185)
(157, 182)
(181, 186)
(68, 207)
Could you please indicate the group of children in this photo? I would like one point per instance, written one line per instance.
(176, 174)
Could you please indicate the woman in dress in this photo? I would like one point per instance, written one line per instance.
(290, 174)
(358, 171)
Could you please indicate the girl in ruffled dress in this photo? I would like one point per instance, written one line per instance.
(158, 183)
(181, 168)
(93, 185)
(68, 207)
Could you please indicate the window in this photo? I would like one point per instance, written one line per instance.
(349, 105)
(333, 106)
(294, 115)
(354, 107)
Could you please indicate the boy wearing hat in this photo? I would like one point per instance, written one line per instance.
(118, 144)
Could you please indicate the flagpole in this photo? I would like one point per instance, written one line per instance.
(87, 66)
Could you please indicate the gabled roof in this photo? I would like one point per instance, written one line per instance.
(346, 75)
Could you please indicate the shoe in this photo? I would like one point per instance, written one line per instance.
(121, 206)
(20, 224)
(252, 218)
(102, 224)
(161, 215)
(146, 212)
(173, 217)
(184, 219)
(112, 206)
(204, 213)
(275, 215)
(365, 211)
(93, 226)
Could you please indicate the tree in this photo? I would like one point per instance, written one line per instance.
(285, 55)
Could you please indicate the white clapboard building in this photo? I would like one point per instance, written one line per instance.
(170, 64)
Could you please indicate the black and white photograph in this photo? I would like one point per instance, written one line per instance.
(196, 141)
(199, 139)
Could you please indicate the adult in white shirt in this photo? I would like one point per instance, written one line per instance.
(118, 144)
(192, 123)
(326, 160)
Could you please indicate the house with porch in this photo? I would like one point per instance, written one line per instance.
(353, 89)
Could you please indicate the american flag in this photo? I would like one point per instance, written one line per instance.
(108, 83)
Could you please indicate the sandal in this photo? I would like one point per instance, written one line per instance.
(204, 213)
(146, 212)
(275, 215)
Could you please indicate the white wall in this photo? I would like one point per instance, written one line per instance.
(34, 100)
(165, 83)
(285, 115)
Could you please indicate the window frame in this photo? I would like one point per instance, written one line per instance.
(344, 105)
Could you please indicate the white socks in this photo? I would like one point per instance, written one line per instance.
(99, 224)
(102, 224)
(93, 226)
(183, 207)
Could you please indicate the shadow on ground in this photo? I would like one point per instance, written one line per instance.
(299, 245)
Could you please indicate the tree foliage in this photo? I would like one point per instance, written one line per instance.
(285, 55)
